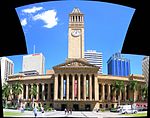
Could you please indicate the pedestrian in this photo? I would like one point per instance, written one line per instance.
(65, 110)
(35, 112)
(70, 111)
(42, 110)
(22, 109)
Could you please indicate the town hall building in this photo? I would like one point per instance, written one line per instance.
(75, 83)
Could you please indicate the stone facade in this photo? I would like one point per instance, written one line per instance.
(97, 94)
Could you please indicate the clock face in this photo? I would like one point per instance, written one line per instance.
(76, 33)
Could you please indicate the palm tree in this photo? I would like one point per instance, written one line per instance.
(144, 90)
(133, 85)
(5, 92)
(119, 87)
(33, 93)
(17, 90)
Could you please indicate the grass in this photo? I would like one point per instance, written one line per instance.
(10, 113)
(137, 114)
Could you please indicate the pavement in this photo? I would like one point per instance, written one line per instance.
(80, 114)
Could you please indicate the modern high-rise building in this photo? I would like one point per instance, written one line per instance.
(7, 68)
(94, 57)
(145, 68)
(34, 62)
(118, 65)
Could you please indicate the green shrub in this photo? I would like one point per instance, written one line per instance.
(102, 110)
(49, 109)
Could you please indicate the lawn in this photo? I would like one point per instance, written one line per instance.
(137, 115)
(10, 113)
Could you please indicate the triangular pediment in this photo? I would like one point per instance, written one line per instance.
(75, 63)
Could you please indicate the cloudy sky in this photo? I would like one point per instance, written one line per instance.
(45, 26)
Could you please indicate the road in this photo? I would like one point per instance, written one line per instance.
(74, 114)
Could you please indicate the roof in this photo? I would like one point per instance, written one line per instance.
(76, 11)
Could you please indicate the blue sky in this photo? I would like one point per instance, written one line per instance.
(45, 25)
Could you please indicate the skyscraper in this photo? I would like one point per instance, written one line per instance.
(7, 68)
(94, 57)
(118, 65)
(145, 68)
(34, 62)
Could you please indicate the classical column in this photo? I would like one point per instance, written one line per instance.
(22, 92)
(125, 92)
(11, 92)
(90, 87)
(67, 87)
(84, 88)
(37, 87)
(114, 95)
(108, 97)
(31, 90)
(62, 87)
(78, 87)
(73, 76)
(56, 87)
(26, 91)
(96, 87)
(43, 91)
(103, 91)
(48, 91)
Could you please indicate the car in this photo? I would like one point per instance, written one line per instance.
(129, 111)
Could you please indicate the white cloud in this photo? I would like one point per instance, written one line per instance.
(24, 22)
(48, 17)
(32, 10)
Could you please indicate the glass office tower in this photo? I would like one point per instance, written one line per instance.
(118, 65)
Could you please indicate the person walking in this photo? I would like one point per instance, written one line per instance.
(35, 112)
(65, 110)
(42, 110)
(70, 111)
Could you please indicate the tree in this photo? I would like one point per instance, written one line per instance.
(5, 93)
(144, 90)
(17, 90)
(33, 93)
(133, 85)
(119, 87)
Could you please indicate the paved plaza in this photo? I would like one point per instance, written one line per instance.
(74, 114)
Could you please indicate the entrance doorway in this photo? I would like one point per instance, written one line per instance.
(75, 107)
(87, 107)
(63, 106)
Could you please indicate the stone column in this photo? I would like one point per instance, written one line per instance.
(96, 87)
(90, 87)
(62, 87)
(78, 87)
(31, 90)
(84, 88)
(26, 91)
(108, 97)
(125, 92)
(37, 95)
(43, 91)
(103, 91)
(11, 92)
(115, 95)
(22, 92)
(48, 91)
(73, 76)
(56, 87)
(67, 87)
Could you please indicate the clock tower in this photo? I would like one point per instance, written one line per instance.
(76, 34)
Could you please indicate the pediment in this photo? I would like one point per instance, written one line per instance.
(75, 63)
